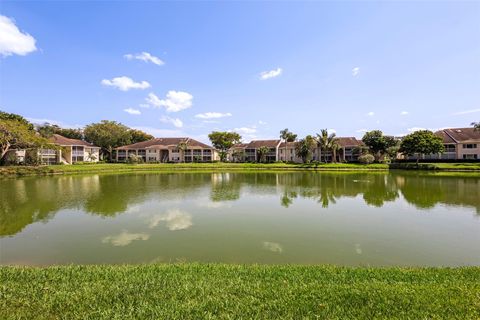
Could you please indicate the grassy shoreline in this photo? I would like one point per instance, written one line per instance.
(15, 171)
(211, 291)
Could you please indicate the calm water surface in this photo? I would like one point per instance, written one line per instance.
(306, 218)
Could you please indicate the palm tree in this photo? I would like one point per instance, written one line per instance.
(476, 126)
(182, 146)
(328, 142)
(285, 135)
(262, 153)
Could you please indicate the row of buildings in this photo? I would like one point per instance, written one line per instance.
(460, 144)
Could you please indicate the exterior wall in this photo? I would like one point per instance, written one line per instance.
(171, 154)
(468, 150)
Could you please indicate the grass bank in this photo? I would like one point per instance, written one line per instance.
(204, 291)
(123, 167)
(14, 171)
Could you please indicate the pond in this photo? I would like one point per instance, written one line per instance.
(360, 219)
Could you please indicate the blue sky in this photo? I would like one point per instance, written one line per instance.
(187, 68)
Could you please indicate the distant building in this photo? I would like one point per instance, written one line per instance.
(71, 151)
(167, 150)
(459, 143)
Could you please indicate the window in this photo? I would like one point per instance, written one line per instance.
(207, 151)
(470, 156)
(449, 147)
(175, 150)
(470, 146)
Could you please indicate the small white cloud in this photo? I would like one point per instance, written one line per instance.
(125, 83)
(272, 246)
(271, 74)
(260, 122)
(413, 129)
(144, 56)
(12, 40)
(144, 105)
(175, 101)
(177, 123)
(371, 114)
(162, 132)
(404, 113)
(58, 123)
(125, 238)
(212, 115)
(466, 112)
(245, 130)
(132, 111)
(362, 130)
(355, 71)
(174, 219)
(331, 131)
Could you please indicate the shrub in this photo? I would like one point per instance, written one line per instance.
(31, 157)
(366, 158)
(134, 159)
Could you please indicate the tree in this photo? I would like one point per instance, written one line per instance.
(287, 136)
(476, 126)
(182, 146)
(262, 153)
(223, 141)
(421, 142)
(327, 143)
(378, 143)
(16, 132)
(47, 130)
(107, 135)
(305, 147)
(139, 136)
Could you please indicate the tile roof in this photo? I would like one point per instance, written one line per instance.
(349, 142)
(63, 141)
(445, 137)
(254, 144)
(463, 134)
(165, 142)
(289, 144)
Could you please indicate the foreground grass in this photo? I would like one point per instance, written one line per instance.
(203, 291)
(123, 167)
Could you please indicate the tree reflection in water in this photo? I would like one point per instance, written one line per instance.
(27, 200)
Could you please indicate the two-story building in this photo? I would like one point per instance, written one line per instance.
(459, 143)
(252, 154)
(168, 150)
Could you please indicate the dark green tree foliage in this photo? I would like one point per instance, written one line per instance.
(223, 141)
(421, 142)
(378, 143)
(262, 153)
(305, 147)
(107, 135)
(19, 118)
(47, 130)
(139, 136)
(476, 126)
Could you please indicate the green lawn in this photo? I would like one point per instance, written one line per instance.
(204, 291)
(123, 167)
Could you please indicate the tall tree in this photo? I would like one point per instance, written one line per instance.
(16, 132)
(287, 136)
(14, 116)
(223, 141)
(305, 147)
(47, 130)
(139, 136)
(107, 135)
(262, 153)
(327, 143)
(421, 142)
(378, 143)
(182, 146)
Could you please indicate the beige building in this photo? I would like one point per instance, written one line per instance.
(168, 150)
(459, 143)
(71, 151)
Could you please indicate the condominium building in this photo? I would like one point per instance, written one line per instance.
(459, 143)
(168, 150)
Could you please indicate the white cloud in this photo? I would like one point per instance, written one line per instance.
(362, 130)
(125, 238)
(245, 130)
(177, 123)
(144, 56)
(212, 115)
(371, 114)
(161, 132)
(132, 111)
(12, 40)
(331, 131)
(413, 129)
(175, 101)
(144, 105)
(272, 246)
(58, 123)
(260, 122)
(404, 113)
(466, 112)
(125, 83)
(175, 220)
(270, 74)
(355, 71)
